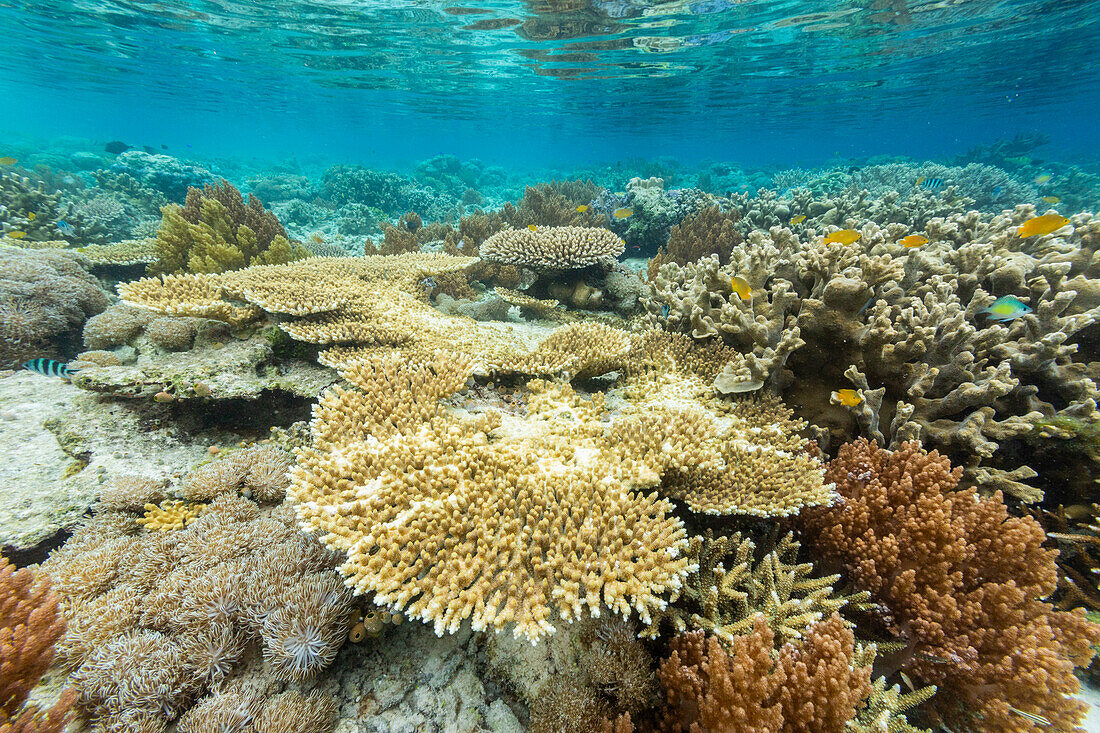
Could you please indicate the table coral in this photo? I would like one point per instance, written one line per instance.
(552, 247)
(963, 581)
(440, 522)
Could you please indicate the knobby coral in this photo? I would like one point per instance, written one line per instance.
(963, 581)
(29, 626)
(911, 326)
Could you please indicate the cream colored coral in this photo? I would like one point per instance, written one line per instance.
(497, 518)
(171, 515)
(563, 248)
(126, 252)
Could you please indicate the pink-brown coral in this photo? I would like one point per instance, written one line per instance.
(963, 581)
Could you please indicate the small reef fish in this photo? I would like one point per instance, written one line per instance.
(31, 216)
(996, 192)
(1040, 225)
(798, 219)
(317, 238)
(844, 236)
(1030, 716)
(17, 234)
(49, 368)
(846, 397)
(532, 227)
(115, 147)
(1045, 178)
(914, 240)
(582, 208)
(8, 160)
(622, 213)
(931, 183)
(1051, 199)
(741, 286)
(1006, 308)
(1019, 160)
(665, 310)
(65, 228)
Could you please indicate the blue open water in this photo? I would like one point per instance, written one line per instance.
(555, 82)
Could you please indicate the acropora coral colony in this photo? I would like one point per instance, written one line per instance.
(787, 469)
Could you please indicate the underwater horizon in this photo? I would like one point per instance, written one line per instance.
(559, 366)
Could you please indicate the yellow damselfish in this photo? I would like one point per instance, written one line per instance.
(1040, 225)
(31, 215)
(622, 213)
(798, 219)
(1045, 178)
(17, 234)
(1051, 199)
(914, 240)
(844, 236)
(741, 286)
(847, 397)
(582, 208)
(7, 160)
(532, 227)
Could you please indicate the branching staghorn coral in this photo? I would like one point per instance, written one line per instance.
(155, 618)
(29, 626)
(725, 600)
(215, 231)
(963, 582)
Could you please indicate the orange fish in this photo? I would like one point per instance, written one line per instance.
(914, 240)
(846, 397)
(798, 219)
(582, 208)
(1041, 225)
(844, 236)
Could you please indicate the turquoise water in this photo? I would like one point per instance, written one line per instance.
(550, 83)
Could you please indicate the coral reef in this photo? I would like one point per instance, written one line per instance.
(45, 297)
(170, 176)
(655, 212)
(31, 210)
(910, 322)
(344, 184)
(29, 626)
(215, 231)
(962, 582)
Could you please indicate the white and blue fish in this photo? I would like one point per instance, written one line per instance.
(50, 368)
(66, 229)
